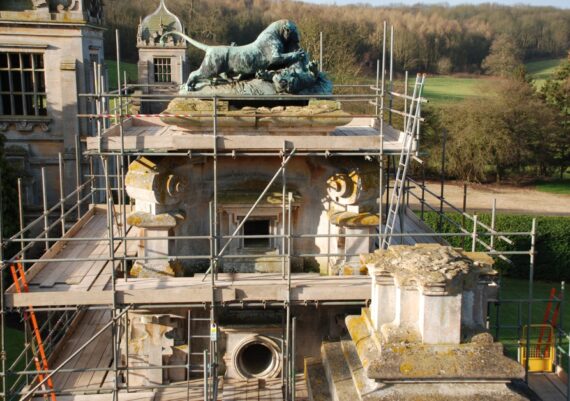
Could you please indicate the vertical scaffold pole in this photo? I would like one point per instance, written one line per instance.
(377, 91)
(61, 194)
(93, 180)
(45, 209)
(289, 334)
(214, 273)
(474, 234)
(21, 220)
(442, 181)
(530, 295)
(493, 223)
(293, 346)
(5, 391)
(283, 208)
(189, 349)
(568, 381)
(406, 84)
(206, 395)
(391, 73)
(122, 173)
(381, 144)
(320, 51)
(22, 256)
(110, 218)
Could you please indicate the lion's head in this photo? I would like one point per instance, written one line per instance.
(290, 34)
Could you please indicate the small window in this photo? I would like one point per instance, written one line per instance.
(256, 227)
(22, 84)
(162, 70)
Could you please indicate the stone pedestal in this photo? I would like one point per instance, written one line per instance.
(154, 252)
(353, 209)
(157, 190)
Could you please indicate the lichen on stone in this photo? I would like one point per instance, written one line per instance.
(430, 267)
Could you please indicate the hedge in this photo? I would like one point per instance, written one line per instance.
(552, 260)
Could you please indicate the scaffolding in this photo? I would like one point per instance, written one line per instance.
(102, 192)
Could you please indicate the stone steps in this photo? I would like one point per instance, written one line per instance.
(341, 376)
(340, 382)
(365, 387)
(317, 383)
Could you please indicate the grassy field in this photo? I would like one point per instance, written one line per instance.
(130, 68)
(541, 70)
(555, 187)
(446, 89)
(442, 89)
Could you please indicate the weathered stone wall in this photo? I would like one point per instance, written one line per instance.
(68, 48)
(240, 182)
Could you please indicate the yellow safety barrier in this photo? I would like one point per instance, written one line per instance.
(541, 348)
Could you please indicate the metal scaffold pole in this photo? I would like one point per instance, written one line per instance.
(2, 306)
(380, 112)
(532, 254)
(217, 259)
(391, 90)
(283, 208)
(122, 174)
(45, 209)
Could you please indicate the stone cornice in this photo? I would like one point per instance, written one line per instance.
(36, 17)
(25, 123)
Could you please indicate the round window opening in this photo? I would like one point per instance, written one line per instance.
(257, 359)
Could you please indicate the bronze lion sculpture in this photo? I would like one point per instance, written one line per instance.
(275, 48)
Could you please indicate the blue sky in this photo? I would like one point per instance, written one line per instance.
(555, 3)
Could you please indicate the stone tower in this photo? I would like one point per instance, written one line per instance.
(47, 51)
(161, 66)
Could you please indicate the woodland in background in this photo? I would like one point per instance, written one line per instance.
(518, 133)
(434, 38)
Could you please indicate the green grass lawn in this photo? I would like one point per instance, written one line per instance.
(541, 70)
(130, 68)
(446, 89)
(442, 89)
(555, 187)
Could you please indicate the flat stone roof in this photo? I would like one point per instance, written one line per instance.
(151, 134)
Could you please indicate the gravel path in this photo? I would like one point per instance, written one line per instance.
(510, 199)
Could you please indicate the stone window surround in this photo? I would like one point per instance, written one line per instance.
(232, 214)
(30, 72)
(162, 70)
(24, 123)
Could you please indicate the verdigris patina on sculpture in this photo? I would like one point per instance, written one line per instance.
(273, 63)
(256, 74)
